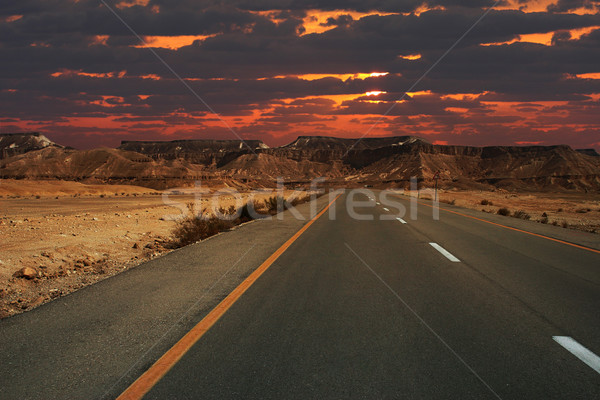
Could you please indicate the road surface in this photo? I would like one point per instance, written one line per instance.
(402, 307)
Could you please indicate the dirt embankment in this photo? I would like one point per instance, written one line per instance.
(60, 236)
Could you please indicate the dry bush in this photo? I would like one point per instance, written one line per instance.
(521, 214)
(274, 204)
(504, 211)
(486, 202)
(194, 229)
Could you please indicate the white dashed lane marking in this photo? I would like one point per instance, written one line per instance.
(444, 252)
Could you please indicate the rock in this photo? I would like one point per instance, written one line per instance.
(26, 272)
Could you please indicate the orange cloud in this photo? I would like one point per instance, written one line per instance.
(410, 57)
(545, 38)
(315, 20)
(12, 18)
(343, 77)
(171, 42)
(69, 72)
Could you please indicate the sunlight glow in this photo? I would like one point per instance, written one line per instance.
(374, 93)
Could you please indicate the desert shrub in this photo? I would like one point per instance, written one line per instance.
(521, 214)
(486, 202)
(259, 207)
(545, 215)
(194, 229)
(227, 211)
(544, 219)
(102, 196)
(564, 224)
(38, 197)
(555, 223)
(299, 200)
(246, 214)
(273, 203)
(560, 210)
(504, 211)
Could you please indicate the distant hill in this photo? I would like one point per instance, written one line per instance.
(388, 161)
(12, 144)
(589, 152)
(207, 152)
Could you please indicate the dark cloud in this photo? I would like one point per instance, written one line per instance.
(263, 39)
(569, 5)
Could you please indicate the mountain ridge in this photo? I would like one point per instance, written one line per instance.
(390, 161)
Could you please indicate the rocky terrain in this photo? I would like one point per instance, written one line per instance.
(60, 236)
(388, 161)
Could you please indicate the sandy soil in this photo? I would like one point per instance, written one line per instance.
(572, 210)
(74, 239)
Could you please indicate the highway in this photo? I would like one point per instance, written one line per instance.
(399, 307)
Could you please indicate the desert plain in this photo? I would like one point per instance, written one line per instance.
(60, 236)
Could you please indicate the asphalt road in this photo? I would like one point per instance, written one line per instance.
(454, 308)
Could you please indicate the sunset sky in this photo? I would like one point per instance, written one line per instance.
(527, 73)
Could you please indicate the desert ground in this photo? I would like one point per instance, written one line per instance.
(62, 236)
(571, 210)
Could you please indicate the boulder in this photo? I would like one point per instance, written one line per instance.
(26, 273)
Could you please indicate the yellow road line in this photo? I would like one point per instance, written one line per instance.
(516, 229)
(144, 383)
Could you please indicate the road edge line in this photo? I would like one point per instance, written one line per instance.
(142, 385)
(516, 229)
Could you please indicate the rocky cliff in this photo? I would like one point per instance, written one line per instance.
(377, 161)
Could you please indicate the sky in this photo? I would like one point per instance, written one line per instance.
(90, 73)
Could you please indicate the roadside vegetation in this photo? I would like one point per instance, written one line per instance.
(202, 225)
